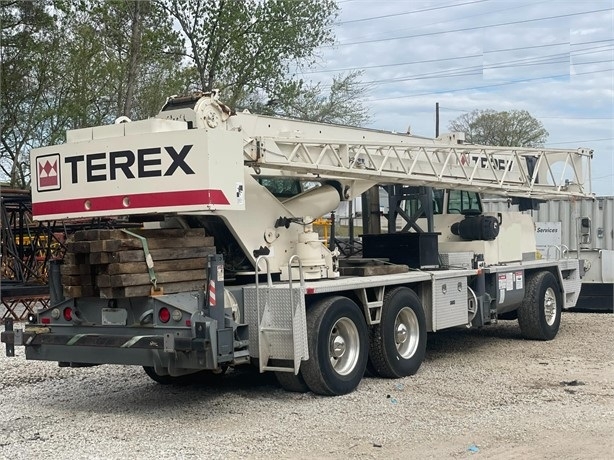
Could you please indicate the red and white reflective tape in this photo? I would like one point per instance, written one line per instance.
(212, 293)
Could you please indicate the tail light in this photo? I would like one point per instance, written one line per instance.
(67, 314)
(164, 315)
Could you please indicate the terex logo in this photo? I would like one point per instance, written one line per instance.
(48, 172)
(483, 162)
(145, 163)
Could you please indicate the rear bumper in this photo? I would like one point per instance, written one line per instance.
(144, 348)
(151, 342)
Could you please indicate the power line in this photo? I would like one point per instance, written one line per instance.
(425, 61)
(450, 109)
(501, 50)
(524, 21)
(475, 71)
(472, 16)
(552, 44)
(469, 56)
(584, 140)
(575, 118)
(602, 177)
(561, 58)
(591, 42)
(410, 12)
(549, 77)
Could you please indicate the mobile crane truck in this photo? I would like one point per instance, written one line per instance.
(275, 295)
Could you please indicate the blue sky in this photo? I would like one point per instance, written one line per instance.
(552, 58)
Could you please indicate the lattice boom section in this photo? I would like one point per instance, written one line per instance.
(540, 173)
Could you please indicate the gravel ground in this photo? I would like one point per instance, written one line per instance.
(486, 394)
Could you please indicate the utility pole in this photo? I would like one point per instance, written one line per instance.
(436, 119)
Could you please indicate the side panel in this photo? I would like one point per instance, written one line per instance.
(174, 171)
(600, 211)
(507, 289)
(277, 323)
(515, 242)
(449, 303)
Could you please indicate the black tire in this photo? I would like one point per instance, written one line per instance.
(539, 315)
(164, 379)
(198, 377)
(509, 316)
(398, 342)
(338, 347)
(290, 382)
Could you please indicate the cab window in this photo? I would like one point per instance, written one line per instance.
(281, 187)
(462, 201)
(286, 187)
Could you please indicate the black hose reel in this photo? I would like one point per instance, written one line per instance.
(478, 227)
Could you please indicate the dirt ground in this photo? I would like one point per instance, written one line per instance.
(485, 394)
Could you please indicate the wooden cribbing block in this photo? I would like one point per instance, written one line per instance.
(134, 243)
(137, 255)
(145, 290)
(143, 278)
(80, 291)
(75, 269)
(116, 234)
(110, 263)
(78, 280)
(162, 266)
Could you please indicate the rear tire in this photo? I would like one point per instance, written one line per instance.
(198, 377)
(509, 316)
(338, 347)
(398, 342)
(539, 315)
(165, 379)
(290, 382)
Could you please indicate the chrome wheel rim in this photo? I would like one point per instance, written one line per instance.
(344, 346)
(406, 332)
(550, 307)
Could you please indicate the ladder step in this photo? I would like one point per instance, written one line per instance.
(277, 369)
(275, 329)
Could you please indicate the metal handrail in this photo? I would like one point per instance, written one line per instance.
(562, 251)
(292, 306)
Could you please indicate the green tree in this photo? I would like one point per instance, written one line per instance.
(139, 55)
(68, 65)
(242, 47)
(28, 39)
(514, 128)
(339, 103)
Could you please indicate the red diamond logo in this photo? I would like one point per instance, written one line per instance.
(48, 172)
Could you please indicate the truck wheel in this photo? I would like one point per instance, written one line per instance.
(290, 382)
(338, 347)
(398, 342)
(539, 315)
(187, 379)
(163, 379)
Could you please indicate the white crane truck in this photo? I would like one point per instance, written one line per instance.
(276, 296)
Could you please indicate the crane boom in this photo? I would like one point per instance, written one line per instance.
(525, 172)
(196, 155)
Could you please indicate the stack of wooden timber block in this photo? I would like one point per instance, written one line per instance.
(111, 263)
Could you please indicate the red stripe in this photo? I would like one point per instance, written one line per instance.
(212, 302)
(137, 201)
